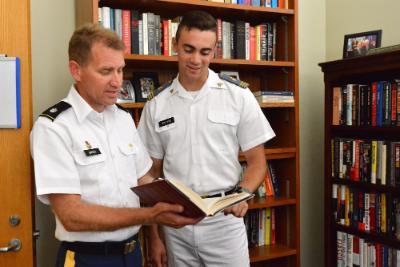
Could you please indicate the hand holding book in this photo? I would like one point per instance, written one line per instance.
(175, 192)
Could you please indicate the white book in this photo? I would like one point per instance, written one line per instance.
(106, 17)
(349, 250)
(349, 104)
(247, 40)
(361, 249)
(145, 35)
(100, 16)
(140, 26)
(118, 22)
(384, 163)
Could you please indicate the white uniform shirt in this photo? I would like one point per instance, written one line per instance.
(61, 166)
(199, 138)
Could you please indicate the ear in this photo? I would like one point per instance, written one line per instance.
(75, 70)
(174, 45)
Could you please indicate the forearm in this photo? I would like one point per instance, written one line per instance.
(77, 215)
(256, 168)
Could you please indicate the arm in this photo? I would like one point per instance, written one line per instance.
(253, 177)
(77, 215)
(157, 251)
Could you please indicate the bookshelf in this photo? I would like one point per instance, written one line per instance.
(367, 70)
(279, 74)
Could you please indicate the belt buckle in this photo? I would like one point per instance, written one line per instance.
(129, 246)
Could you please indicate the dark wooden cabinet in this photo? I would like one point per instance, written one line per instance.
(361, 70)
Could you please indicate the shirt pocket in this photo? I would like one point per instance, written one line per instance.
(224, 117)
(126, 163)
(91, 170)
(221, 130)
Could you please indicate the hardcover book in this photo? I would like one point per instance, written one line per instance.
(174, 192)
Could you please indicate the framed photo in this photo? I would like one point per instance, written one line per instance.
(127, 93)
(357, 44)
(144, 83)
(233, 74)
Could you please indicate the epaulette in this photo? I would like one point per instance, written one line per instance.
(52, 112)
(230, 79)
(159, 90)
(121, 108)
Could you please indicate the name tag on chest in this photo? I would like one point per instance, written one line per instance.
(92, 152)
(166, 122)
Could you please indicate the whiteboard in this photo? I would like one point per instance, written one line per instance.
(10, 110)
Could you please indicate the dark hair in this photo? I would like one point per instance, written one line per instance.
(197, 19)
(84, 37)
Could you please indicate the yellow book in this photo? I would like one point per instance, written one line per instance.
(347, 207)
(374, 152)
(383, 213)
(268, 226)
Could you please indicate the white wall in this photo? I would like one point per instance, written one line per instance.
(311, 52)
(52, 24)
(322, 25)
(346, 17)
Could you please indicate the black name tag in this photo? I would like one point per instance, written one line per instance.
(166, 122)
(92, 152)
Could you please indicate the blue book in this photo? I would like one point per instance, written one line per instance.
(274, 3)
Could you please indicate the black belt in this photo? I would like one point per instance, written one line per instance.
(236, 189)
(103, 248)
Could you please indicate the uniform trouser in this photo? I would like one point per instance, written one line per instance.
(216, 241)
(67, 258)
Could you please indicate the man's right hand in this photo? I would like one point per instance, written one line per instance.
(168, 214)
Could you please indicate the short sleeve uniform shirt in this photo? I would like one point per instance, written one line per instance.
(96, 155)
(199, 137)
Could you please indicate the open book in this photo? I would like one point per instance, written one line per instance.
(175, 192)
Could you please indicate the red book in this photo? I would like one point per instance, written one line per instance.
(165, 24)
(126, 30)
(252, 43)
(273, 227)
(219, 39)
(373, 104)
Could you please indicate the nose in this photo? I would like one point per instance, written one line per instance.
(116, 79)
(195, 58)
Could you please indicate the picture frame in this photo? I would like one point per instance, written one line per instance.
(233, 74)
(358, 44)
(127, 93)
(144, 83)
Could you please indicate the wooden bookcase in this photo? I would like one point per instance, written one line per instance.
(284, 118)
(362, 70)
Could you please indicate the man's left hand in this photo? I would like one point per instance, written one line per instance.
(238, 210)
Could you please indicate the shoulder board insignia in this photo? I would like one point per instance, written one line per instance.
(52, 112)
(230, 79)
(159, 90)
(122, 108)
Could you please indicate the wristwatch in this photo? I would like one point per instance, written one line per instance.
(244, 189)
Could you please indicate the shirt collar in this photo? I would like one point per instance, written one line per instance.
(214, 81)
(81, 108)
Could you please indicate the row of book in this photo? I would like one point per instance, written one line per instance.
(370, 161)
(270, 186)
(274, 96)
(370, 212)
(260, 3)
(261, 227)
(149, 34)
(376, 104)
(355, 251)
